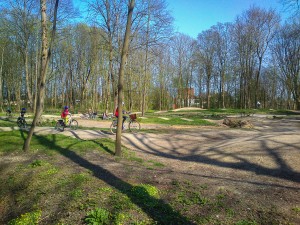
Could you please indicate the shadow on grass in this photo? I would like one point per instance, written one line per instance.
(156, 209)
(8, 122)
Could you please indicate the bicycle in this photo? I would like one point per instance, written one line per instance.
(72, 123)
(133, 125)
(21, 122)
(89, 115)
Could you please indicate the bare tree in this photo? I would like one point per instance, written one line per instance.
(244, 53)
(1, 78)
(292, 6)
(287, 54)
(121, 75)
(207, 51)
(45, 57)
(22, 21)
(109, 15)
(222, 41)
(156, 29)
(266, 24)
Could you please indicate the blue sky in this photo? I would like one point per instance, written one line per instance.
(193, 16)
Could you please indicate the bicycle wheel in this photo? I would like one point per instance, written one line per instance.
(74, 125)
(134, 126)
(113, 127)
(19, 122)
(59, 126)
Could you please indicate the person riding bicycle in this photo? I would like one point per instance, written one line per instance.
(64, 115)
(21, 119)
(117, 114)
(22, 113)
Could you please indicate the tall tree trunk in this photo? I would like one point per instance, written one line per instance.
(29, 94)
(1, 79)
(36, 79)
(46, 52)
(146, 65)
(223, 87)
(121, 76)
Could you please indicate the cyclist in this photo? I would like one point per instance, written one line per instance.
(64, 115)
(22, 113)
(117, 114)
(21, 119)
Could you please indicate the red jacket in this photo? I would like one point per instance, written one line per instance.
(64, 113)
(116, 112)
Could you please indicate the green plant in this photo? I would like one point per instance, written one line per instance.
(52, 171)
(145, 190)
(98, 216)
(80, 178)
(36, 163)
(76, 193)
(120, 218)
(120, 202)
(146, 193)
(105, 189)
(31, 218)
(296, 209)
(230, 212)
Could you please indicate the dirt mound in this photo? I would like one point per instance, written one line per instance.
(240, 123)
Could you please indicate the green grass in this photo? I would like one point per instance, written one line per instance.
(8, 122)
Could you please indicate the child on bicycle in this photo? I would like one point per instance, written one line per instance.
(22, 113)
(64, 115)
(21, 118)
